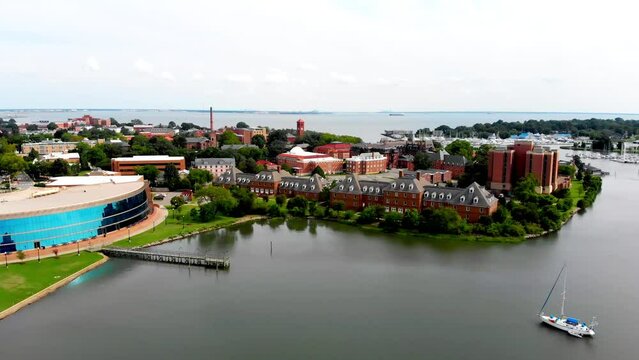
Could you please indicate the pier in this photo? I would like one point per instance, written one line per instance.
(168, 257)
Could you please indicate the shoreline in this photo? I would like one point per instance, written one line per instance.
(51, 288)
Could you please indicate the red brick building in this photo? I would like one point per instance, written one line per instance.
(405, 193)
(336, 149)
(304, 162)
(199, 143)
(507, 165)
(406, 162)
(367, 163)
(470, 203)
(265, 182)
(349, 192)
(127, 165)
(308, 187)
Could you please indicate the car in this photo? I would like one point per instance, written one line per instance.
(159, 196)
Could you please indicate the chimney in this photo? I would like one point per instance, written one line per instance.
(279, 169)
(401, 173)
(211, 117)
(418, 175)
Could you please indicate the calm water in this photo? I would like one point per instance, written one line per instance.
(331, 291)
(368, 126)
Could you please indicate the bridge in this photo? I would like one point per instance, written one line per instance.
(168, 257)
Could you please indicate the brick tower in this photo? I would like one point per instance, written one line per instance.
(300, 128)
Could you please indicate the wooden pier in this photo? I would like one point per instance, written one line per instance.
(168, 257)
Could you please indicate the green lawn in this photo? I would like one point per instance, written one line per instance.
(176, 224)
(576, 192)
(19, 281)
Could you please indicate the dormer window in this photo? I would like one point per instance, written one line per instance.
(350, 179)
(471, 190)
(370, 190)
(394, 185)
(312, 180)
(377, 190)
(426, 194)
(257, 176)
(297, 185)
(263, 177)
(304, 187)
(475, 200)
(410, 187)
(269, 177)
(341, 187)
(433, 195)
(401, 186)
(441, 196)
(350, 188)
(365, 188)
(448, 196)
(312, 187)
(462, 198)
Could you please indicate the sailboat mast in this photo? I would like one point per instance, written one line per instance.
(563, 295)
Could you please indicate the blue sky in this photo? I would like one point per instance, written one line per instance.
(303, 55)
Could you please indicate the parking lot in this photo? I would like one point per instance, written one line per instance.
(167, 200)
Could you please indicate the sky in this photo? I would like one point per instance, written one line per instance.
(371, 55)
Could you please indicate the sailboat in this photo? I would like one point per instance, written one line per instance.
(568, 324)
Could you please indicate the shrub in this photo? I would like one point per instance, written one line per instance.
(392, 222)
(20, 255)
(367, 216)
(349, 214)
(338, 206)
(274, 210)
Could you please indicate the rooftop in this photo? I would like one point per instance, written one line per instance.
(92, 180)
(39, 201)
(149, 158)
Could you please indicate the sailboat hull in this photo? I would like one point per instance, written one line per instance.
(578, 330)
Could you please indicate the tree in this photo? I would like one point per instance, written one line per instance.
(258, 140)
(172, 124)
(52, 126)
(223, 199)
(32, 127)
(274, 211)
(245, 200)
(567, 170)
(228, 138)
(179, 141)
(171, 176)
(149, 172)
(392, 222)
(280, 200)
(338, 205)
(20, 255)
(177, 202)
(367, 216)
(59, 168)
(242, 125)
(297, 205)
(410, 219)
(319, 171)
(11, 164)
(460, 147)
(443, 220)
(422, 161)
(199, 176)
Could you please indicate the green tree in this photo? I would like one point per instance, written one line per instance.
(224, 201)
(367, 216)
(59, 168)
(149, 172)
(460, 147)
(258, 140)
(280, 200)
(199, 176)
(171, 176)
(242, 125)
(422, 161)
(567, 170)
(319, 171)
(177, 202)
(11, 164)
(52, 126)
(392, 222)
(410, 219)
(297, 205)
(33, 155)
(228, 138)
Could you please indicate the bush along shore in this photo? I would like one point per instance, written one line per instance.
(527, 214)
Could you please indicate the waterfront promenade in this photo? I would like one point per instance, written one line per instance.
(158, 215)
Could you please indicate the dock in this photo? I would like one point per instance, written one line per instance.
(169, 257)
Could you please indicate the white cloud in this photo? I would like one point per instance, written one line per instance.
(92, 64)
(239, 78)
(392, 81)
(197, 76)
(144, 66)
(167, 76)
(343, 78)
(308, 67)
(276, 76)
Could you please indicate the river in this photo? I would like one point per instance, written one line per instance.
(332, 291)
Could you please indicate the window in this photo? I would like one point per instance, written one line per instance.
(471, 190)
(341, 187)
(401, 186)
(433, 195)
(410, 187)
(467, 208)
(475, 200)
(441, 196)
(462, 198)
(364, 188)
(426, 194)
(350, 188)
(393, 185)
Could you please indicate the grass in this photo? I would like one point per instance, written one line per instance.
(418, 236)
(576, 192)
(178, 223)
(19, 281)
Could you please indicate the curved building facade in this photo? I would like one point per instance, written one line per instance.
(63, 215)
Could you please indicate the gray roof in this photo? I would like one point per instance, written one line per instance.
(213, 161)
(271, 176)
(349, 185)
(236, 147)
(312, 184)
(229, 177)
(437, 155)
(473, 195)
(458, 160)
(373, 187)
(407, 183)
(195, 140)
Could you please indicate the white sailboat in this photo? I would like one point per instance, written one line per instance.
(568, 324)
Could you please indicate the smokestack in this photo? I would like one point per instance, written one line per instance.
(401, 173)
(211, 116)
(418, 175)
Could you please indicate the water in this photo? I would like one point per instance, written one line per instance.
(368, 126)
(332, 291)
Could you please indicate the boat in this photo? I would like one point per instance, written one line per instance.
(571, 325)
(395, 114)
